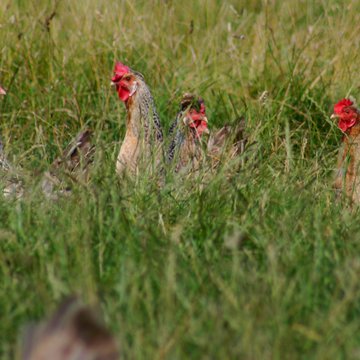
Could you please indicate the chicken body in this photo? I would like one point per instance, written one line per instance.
(143, 138)
(347, 178)
(4, 163)
(72, 165)
(186, 149)
(73, 333)
(13, 185)
(227, 143)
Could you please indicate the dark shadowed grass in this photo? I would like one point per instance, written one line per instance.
(259, 263)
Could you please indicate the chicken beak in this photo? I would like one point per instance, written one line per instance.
(2, 91)
(206, 131)
(186, 120)
(334, 117)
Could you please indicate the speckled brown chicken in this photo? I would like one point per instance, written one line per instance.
(186, 132)
(144, 137)
(348, 168)
(4, 162)
(13, 186)
(227, 142)
(73, 333)
(189, 145)
(71, 166)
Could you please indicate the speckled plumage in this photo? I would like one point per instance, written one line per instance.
(4, 163)
(72, 165)
(13, 186)
(230, 141)
(144, 134)
(347, 177)
(187, 149)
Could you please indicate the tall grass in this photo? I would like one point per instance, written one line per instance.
(256, 264)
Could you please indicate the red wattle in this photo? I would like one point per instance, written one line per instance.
(201, 127)
(345, 125)
(196, 116)
(123, 93)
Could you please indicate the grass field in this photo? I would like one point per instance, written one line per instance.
(256, 264)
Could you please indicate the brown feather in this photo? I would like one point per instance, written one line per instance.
(73, 165)
(347, 174)
(143, 137)
(74, 332)
(229, 141)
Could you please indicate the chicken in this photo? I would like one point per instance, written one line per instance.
(187, 133)
(187, 136)
(73, 333)
(4, 163)
(72, 165)
(347, 174)
(144, 137)
(227, 142)
(13, 185)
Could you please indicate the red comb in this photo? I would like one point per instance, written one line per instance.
(121, 69)
(341, 104)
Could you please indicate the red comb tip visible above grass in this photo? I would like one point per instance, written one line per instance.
(121, 69)
(341, 104)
